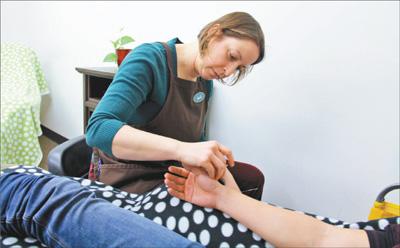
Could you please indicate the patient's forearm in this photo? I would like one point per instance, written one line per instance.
(285, 228)
(229, 181)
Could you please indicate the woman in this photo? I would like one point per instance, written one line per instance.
(281, 227)
(153, 114)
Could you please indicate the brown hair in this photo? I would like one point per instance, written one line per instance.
(239, 25)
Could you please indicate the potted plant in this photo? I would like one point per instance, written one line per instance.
(120, 50)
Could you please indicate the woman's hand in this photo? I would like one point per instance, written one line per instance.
(198, 189)
(208, 157)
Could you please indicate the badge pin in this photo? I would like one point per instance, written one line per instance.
(199, 97)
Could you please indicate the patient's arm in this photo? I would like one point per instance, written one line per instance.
(229, 181)
(279, 226)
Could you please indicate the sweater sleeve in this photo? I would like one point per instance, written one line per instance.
(390, 237)
(128, 90)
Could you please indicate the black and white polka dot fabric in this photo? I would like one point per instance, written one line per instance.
(207, 226)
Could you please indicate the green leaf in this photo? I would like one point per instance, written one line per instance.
(125, 40)
(115, 43)
(111, 57)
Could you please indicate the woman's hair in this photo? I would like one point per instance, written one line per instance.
(239, 25)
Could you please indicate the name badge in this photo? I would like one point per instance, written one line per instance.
(199, 97)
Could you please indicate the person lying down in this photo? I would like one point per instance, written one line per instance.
(41, 209)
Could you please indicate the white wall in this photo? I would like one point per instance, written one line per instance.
(320, 115)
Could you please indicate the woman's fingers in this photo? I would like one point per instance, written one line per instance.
(201, 169)
(219, 165)
(207, 169)
(197, 171)
(227, 153)
(210, 170)
(221, 156)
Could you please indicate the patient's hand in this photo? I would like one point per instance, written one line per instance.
(229, 181)
(198, 189)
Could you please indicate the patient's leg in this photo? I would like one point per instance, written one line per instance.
(59, 212)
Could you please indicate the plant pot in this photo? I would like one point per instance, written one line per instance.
(121, 54)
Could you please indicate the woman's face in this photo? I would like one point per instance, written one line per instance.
(226, 54)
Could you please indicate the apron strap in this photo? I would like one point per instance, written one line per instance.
(169, 60)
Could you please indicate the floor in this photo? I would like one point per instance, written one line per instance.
(46, 144)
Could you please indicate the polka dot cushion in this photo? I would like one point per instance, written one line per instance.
(22, 83)
(207, 226)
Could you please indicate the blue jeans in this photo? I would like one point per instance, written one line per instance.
(59, 212)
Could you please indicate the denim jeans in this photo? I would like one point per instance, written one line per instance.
(59, 212)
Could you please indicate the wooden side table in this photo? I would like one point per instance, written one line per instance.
(96, 81)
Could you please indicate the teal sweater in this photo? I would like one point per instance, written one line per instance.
(135, 96)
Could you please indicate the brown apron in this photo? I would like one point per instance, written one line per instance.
(182, 117)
